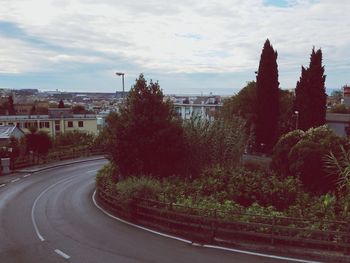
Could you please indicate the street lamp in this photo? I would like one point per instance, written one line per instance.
(296, 119)
(121, 74)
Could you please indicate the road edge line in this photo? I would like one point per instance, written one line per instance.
(36, 201)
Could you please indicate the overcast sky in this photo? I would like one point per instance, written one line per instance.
(190, 46)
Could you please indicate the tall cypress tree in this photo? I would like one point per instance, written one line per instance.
(267, 99)
(310, 93)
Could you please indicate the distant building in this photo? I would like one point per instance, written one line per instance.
(8, 131)
(346, 95)
(339, 123)
(56, 122)
(26, 108)
(206, 107)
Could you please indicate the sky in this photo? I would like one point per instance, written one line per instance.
(189, 46)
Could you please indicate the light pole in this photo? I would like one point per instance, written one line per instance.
(296, 119)
(121, 74)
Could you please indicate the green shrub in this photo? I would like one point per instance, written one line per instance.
(105, 179)
(280, 162)
(302, 155)
(210, 144)
(133, 188)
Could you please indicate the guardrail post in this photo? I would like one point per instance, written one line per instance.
(273, 230)
(213, 227)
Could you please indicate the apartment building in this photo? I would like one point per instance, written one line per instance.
(56, 122)
(206, 107)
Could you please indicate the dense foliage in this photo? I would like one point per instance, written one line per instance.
(267, 111)
(74, 138)
(39, 143)
(149, 137)
(310, 92)
(243, 104)
(209, 144)
(302, 154)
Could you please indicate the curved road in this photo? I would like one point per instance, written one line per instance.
(49, 216)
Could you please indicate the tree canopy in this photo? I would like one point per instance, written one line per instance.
(149, 136)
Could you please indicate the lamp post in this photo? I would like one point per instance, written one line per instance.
(296, 119)
(121, 74)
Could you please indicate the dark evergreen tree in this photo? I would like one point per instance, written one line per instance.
(61, 104)
(11, 106)
(267, 99)
(148, 135)
(310, 92)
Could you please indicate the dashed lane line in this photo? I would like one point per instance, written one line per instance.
(2, 185)
(62, 254)
(15, 180)
(27, 175)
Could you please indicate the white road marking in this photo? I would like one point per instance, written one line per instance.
(2, 185)
(62, 254)
(205, 246)
(15, 180)
(92, 171)
(24, 176)
(36, 201)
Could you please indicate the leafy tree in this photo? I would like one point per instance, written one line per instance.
(286, 120)
(242, 104)
(78, 109)
(149, 136)
(267, 98)
(280, 162)
(337, 95)
(310, 92)
(61, 104)
(302, 154)
(38, 142)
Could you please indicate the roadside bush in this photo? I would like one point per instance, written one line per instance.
(105, 179)
(74, 138)
(302, 155)
(208, 207)
(142, 187)
(280, 161)
(246, 187)
(209, 144)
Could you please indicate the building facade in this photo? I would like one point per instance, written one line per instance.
(56, 122)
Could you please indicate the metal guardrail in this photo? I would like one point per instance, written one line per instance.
(214, 229)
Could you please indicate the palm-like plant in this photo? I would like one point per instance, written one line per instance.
(339, 166)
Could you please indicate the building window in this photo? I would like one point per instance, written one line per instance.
(47, 124)
(81, 124)
(57, 126)
(10, 123)
(70, 124)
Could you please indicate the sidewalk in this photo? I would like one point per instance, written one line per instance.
(5, 179)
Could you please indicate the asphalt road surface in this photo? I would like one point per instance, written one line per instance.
(49, 216)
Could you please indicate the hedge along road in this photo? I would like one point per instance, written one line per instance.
(50, 217)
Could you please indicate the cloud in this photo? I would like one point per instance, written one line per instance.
(172, 37)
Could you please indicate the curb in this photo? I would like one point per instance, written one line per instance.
(36, 170)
